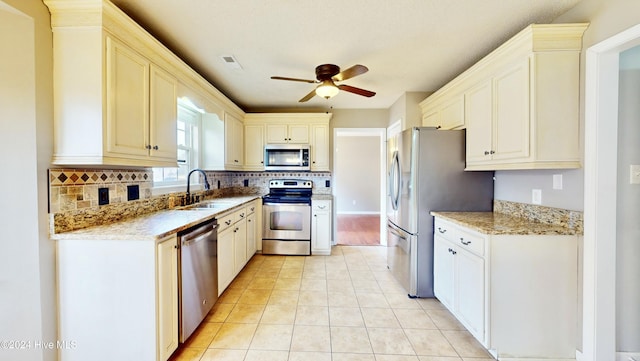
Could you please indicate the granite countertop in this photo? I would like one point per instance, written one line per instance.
(154, 226)
(502, 224)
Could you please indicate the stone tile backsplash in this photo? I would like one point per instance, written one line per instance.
(73, 193)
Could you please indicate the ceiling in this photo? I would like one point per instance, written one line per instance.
(408, 45)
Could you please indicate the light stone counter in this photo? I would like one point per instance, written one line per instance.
(502, 224)
(154, 226)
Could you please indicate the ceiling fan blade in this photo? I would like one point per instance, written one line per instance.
(354, 90)
(308, 96)
(350, 73)
(293, 79)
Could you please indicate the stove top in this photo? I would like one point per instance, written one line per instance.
(289, 191)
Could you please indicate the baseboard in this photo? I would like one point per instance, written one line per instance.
(351, 213)
(627, 356)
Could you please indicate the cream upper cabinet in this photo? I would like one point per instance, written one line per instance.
(520, 102)
(254, 147)
(277, 128)
(234, 142)
(444, 113)
(117, 103)
(320, 147)
(287, 133)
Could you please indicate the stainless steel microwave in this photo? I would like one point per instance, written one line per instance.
(286, 157)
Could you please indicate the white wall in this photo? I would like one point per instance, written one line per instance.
(357, 174)
(27, 261)
(628, 207)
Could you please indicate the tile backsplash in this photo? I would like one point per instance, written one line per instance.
(73, 193)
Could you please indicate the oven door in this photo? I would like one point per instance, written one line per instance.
(286, 221)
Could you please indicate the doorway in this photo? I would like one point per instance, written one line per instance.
(602, 212)
(359, 166)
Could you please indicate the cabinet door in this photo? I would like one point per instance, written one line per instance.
(234, 142)
(127, 97)
(277, 133)
(226, 266)
(431, 119)
(511, 119)
(479, 123)
(167, 297)
(443, 281)
(254, 147)
(251, 236)
(320, 147)
(452, 113)
(321, 227)
(163, 104)
(298, 133)
(240, 246)
(470, 292)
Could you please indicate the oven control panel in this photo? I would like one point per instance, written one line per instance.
(290, 183)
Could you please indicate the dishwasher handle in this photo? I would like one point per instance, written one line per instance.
(198, 235)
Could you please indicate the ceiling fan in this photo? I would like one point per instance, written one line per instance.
(327, 75)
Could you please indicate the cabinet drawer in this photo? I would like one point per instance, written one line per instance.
(445, 230)
(226, 221)
(471, 242)
(251, 208)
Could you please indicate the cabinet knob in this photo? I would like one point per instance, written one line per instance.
(155, 147)
(148, 146)
(486, 152)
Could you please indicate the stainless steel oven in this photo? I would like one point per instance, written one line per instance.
(287, 218)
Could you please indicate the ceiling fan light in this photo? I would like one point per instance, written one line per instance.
(327, 89)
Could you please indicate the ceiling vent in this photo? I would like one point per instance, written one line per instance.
(231, 62)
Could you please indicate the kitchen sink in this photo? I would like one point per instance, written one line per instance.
(210, 205)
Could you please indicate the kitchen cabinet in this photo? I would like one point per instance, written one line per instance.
(117, 103)
(302, 128)
(520, 102)
(254, 147)
(319, 147)
(133, 300)
(516, 294)
(321, 227)
(444, 113)
(232, 246)
(254, 230)
(167, 297)
(459, 277)
(287, 133)
(234, 142)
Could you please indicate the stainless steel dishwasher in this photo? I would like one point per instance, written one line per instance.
(198, 275)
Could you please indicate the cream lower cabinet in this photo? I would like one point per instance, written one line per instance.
(516, 294)
(254, 227)
(321, 227)
(232, 246)
(132, 301)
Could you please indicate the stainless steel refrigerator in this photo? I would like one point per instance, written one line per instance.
(426, 173)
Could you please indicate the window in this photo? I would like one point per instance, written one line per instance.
(189, 121)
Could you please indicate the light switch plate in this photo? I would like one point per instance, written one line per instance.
(634, 177)
(536, 196)
(557, 181)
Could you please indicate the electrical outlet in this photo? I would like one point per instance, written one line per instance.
(536, 196)
(103, 196)
(634, 176)
(133, 192)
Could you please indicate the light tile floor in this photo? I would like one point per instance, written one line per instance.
(343, 307)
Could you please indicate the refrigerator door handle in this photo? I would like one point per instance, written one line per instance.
(394, 181)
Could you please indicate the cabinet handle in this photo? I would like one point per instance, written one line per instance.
(155, 147)
(241, 215)
(438, 127)
(227, 222)
(486, 152)
(315, 215)
(442, 230)
(466, 243)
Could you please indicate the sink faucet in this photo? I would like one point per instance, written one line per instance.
(206, 183)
